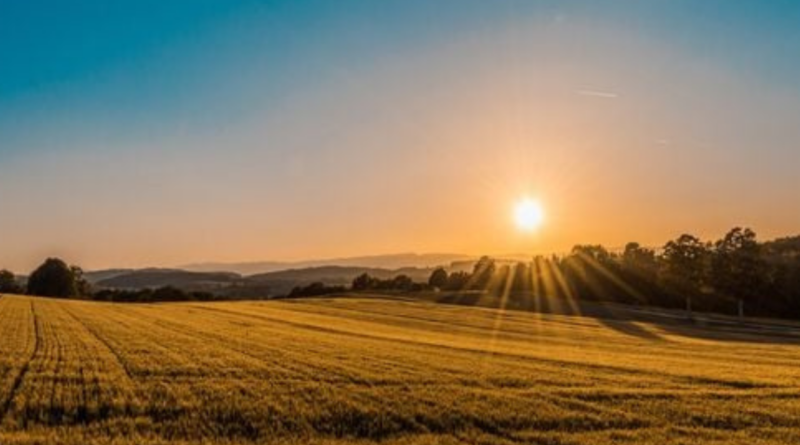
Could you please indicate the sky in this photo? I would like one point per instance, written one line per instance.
(150, 133)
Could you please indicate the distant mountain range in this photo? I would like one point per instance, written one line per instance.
(394, 261)
(144, 278)
(266, 278)
(233, 284)
(276, 278)
(270, 278)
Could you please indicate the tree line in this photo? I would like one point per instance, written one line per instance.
(735, 274)
(55, 278)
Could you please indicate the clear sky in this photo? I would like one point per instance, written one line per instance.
(148, 132)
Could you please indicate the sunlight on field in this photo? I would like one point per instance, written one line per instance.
(352, 370)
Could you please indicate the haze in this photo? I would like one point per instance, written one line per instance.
(154, 134)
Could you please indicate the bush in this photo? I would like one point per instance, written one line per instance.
(8, 283)
(315, 289)
(54, 278)
(161, 294)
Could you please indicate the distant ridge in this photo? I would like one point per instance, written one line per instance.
(151, 278)
(392, 261)
(259, 285)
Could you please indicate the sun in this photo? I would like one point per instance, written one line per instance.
(528, 214)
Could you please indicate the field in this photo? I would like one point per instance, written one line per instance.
(358, 370)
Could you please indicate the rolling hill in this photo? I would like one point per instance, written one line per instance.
(151, 278)
(393, 261)
(260, 285)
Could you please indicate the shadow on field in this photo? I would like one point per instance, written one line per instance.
(628, 319)
(630, 328)
(462, 298)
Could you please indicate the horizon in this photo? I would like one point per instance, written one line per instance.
(349, 261)
(152, 135)
(399, 222)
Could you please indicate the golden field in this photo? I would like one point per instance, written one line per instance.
(359, 370)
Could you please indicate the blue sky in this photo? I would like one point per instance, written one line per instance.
(150, 63)
(174, 108)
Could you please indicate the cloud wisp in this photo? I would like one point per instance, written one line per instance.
(597, 93)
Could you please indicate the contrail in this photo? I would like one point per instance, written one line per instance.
(595, 93)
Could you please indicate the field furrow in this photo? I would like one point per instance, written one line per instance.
(350, 370)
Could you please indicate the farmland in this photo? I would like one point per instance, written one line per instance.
(359, 370)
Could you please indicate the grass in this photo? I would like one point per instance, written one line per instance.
(360, 370)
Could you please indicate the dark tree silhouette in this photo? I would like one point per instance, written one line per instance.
(458, 280)
(55, 279)
(685, 266)
(438, 279)
(522, 278)
(315, 289)
(363, 282)
(482, 273)
(738, 268)
(8, 283)
(402, 282)
(588, 270)
(640, 262)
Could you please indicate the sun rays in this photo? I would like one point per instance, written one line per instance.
(545, 286)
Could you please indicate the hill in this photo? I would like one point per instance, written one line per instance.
(95, 276)
(374, 370)
(394, 261)
(260, 285)
(282, 282)
(151, 278)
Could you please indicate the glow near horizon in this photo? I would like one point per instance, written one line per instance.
(528, 214)
(413, 143)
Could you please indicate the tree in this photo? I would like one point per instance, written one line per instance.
(402, 282)
(363, 282)
(639, 268)
(458, 280)
(640, 261)
(787, 287)
(685, 265)
(738, 268)
(170, 293)
(8, 283)
(589, 269)
(82, 286)
(522, 278)
(315, 289)
(482, 273)
(54, 279)
(598, 254)
(438, 278)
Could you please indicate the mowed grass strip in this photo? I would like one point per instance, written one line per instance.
(359, 370)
